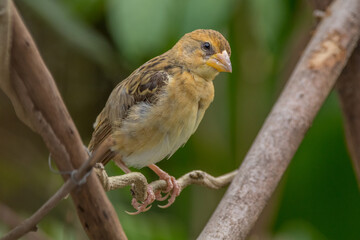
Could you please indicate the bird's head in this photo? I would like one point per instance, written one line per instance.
(204, 52)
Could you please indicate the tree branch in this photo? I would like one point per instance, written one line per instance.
(285, 127)
(41, 107)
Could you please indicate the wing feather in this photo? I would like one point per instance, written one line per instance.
(143, 85)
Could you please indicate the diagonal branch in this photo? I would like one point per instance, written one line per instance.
(285, 127)
(33, 88)
(10, 218)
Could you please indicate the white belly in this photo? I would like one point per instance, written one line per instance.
(165, 139)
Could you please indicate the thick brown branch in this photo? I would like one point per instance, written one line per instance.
(285, 127)
(33, 88)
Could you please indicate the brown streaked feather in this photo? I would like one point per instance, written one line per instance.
(143, 85)
(102, 130)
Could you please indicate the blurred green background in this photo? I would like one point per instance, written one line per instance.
(91, 45)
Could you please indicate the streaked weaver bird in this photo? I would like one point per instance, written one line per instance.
(155, 110)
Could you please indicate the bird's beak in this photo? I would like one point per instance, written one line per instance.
(220, 61)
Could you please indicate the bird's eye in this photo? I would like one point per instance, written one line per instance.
(206, 46)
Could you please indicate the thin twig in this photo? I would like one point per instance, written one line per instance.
(285, 127)
(30, 223)
(139, 182)
(198, 177)
(11, 219)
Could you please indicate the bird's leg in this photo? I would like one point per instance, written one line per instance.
(150, 196)
(107, 184)
(172, 186)
(121, 164)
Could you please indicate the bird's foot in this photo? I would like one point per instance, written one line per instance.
(173, 189)
(144, 206)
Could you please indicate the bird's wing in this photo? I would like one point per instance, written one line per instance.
(143, 85)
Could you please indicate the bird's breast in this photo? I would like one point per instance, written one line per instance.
(152, 132)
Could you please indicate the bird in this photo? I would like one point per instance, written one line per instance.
(155, 110)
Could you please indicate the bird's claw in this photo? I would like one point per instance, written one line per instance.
(159, 197)
(172, 190)
(175, 191)
(144, 206)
